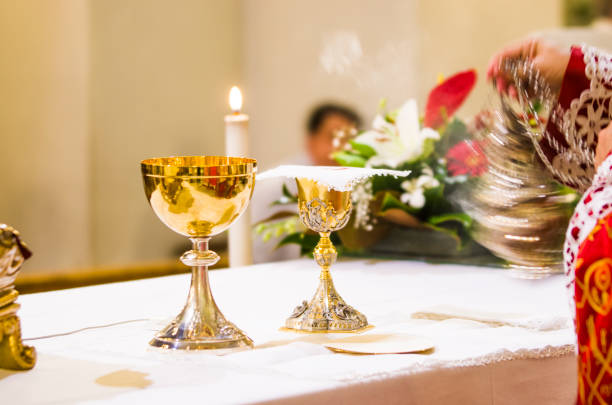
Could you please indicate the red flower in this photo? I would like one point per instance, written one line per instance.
(466, 157)
(447, 97)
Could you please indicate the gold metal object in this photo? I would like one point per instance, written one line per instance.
(324, 210)
(13, 252)
(199, 197)
(519, 211)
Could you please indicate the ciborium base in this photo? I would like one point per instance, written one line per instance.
(326, 311)
(14, 355)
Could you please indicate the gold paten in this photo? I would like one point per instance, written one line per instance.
(13, 354)
(199, 197)
(324, 210)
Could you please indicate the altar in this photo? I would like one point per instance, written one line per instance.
(506, 341)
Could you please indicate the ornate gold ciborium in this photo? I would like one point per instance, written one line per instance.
(199, 197)
(324, 210)
(13, 252)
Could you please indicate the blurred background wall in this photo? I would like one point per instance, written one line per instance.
(160, 75)
(91, 87)
(299, 53)
(45, 155)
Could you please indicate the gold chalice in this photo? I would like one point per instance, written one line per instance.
(324, 210)
(199, 197)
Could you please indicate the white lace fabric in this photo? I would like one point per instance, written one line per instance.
(339, 178)
(540, 322)
(581, 123)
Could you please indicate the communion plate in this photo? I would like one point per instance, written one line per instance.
(380, 343)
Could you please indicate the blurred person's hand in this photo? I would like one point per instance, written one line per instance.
(604, 145)
(548, 59)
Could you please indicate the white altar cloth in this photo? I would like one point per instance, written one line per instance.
(473, 362)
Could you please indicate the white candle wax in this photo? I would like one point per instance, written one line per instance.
(237, 135)
(239, 236)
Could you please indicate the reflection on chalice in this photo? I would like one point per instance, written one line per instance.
(324, 210)
(199, 197)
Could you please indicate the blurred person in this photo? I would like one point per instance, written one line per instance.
(583, 76)
(597, 34)
(325, 123)
(327, 127)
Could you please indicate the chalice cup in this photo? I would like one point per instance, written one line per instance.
(199, 197)
(324, 210)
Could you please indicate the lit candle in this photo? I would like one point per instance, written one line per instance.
(237, 144)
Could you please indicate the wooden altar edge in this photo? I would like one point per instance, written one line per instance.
(28, 283)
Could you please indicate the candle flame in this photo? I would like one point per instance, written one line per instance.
(235, 99)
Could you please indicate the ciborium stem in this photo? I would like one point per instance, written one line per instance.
(200, 325)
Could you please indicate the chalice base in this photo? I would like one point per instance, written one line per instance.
(208, 343)
(200, 325)
(326, 312)
(185, 335)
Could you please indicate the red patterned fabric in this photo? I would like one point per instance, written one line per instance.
(585, 94)
(593, 297)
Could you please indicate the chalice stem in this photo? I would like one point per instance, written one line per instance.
(200, 308)
(200, 299)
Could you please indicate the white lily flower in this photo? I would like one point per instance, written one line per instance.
(414, 198)
(427, 179)
(415, 188)
(399, 143)
(380, 124)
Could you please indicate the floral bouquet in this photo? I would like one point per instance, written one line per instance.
(438, 151)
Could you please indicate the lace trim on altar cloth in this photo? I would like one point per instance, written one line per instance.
(337, 178)
(546, 352)
(596, 203)
(581, 122)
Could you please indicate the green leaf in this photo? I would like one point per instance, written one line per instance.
(455, 224)
(382, 105)
(364, 150)
(391, 116)
(456, 131)
(460, 217)
(436, 202)
(386, 183)
(277, 225)
(537, 106)
(390, 201)
(429, 146)
(288, 194)
(259, 228)
(450, 232)
(286, 197)
(306, 241)
(349, 159)
(277, 216)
